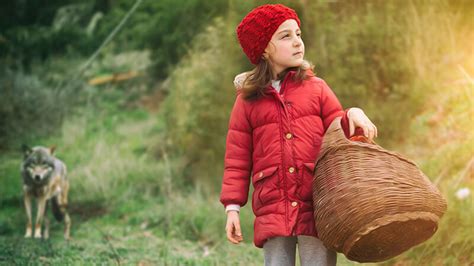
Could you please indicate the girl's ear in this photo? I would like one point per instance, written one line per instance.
(265, 56)
(268, 51)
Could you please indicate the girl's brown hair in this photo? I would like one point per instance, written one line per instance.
(261, 76)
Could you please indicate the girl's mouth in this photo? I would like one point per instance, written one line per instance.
(298, 53)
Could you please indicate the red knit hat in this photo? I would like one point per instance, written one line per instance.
(256, 29)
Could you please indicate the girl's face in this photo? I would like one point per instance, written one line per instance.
(286, 48)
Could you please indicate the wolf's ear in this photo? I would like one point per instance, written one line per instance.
(26, 150)
(52, 149)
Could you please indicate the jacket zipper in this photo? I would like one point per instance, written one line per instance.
(281, 106)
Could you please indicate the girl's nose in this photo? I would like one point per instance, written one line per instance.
(297, 42)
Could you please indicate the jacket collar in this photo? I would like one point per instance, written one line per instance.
(284, 83)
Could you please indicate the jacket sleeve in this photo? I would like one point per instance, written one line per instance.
(238, 157)
(331, 108)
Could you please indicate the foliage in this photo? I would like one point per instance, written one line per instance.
(197, 108)
(29, 107)
(165, 27)
(33, 31)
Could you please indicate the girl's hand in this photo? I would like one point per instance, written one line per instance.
(232, 228)
(239, 79)
(357, 118)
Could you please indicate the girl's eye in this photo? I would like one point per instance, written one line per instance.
(288, 35)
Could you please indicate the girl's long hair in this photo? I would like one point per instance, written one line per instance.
(261, 76)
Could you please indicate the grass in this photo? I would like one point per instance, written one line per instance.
(129, 208)
(126, 206)
(120, 237)
(124, 203)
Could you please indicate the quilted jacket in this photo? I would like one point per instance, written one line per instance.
(273, 142)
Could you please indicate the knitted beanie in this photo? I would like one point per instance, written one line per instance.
(256, 29)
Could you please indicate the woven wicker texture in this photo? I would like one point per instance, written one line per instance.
(369, 203)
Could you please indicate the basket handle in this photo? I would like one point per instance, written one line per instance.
(337, 133)
(335, 136)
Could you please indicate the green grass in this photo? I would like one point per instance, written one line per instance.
(125, 204)
(128, 207)
(171, 233)
(176, 231)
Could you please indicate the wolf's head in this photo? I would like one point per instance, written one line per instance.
(38, 163)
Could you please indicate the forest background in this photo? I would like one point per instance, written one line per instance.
(136, 95)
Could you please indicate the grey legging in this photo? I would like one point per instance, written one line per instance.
(280, 251)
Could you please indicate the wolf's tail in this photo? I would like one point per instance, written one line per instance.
(58, 214)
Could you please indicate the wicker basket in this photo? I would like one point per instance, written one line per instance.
(369, 203)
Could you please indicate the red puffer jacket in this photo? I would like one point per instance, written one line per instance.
(275, 140)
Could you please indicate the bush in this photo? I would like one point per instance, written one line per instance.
(200, 99)
(33, 31)
(29, 108)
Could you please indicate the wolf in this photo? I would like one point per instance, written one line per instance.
(44, 178)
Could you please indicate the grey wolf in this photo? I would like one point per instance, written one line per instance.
(44, 178)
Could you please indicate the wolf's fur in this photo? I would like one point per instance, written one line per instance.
(44, 178)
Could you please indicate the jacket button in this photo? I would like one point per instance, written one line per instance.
(261, 174)
(288, 136)
(291, 170)
(294, 203)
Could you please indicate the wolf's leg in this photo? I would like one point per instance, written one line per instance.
(62, 200)
(27, 200)
(67, 219)
(67, 225)
(46, 227)
(39, 216)
(64, 193)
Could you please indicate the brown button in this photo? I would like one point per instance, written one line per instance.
(261, 174)
(288, 136)
(294, 203)
(291, 169)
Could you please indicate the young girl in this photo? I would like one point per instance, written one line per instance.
(276, 127)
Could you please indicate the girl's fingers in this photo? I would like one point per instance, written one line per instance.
(366, 131)
(232, 234)
(368, 127)
(359, 119)
(351, 127)
(228, 233)
(371, 132)
(229, 230)
(238, 232)
(237, 229)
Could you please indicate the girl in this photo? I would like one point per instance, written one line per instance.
(275, 132)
